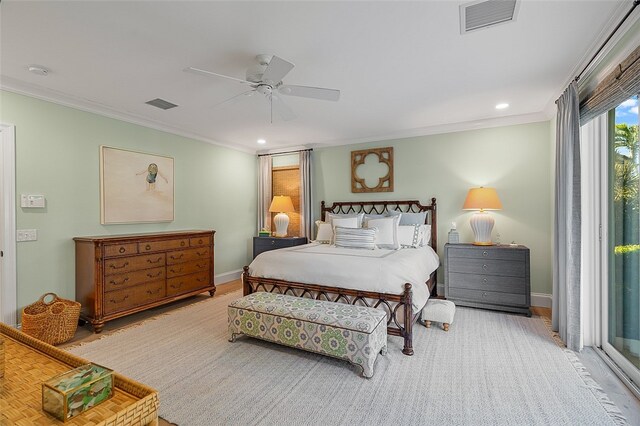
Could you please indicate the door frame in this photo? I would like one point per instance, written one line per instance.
(8, 280)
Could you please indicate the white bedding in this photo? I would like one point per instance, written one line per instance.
(380, 270)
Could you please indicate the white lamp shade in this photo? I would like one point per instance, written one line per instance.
(482, 224)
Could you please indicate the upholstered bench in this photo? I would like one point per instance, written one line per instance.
(353, 333)
(439, 310)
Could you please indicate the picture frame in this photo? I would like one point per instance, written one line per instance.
(358, 170)
(135, 187)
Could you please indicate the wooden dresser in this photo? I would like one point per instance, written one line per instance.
(491, 277)
(122, 274)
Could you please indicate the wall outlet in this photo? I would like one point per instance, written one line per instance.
(27, 235)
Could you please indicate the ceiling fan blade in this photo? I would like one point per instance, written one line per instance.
(236, 98)
(209, 74)
(281, 108)
(276, 70)
(310, 92)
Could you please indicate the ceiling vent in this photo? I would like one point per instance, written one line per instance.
(161, 103)
(486, 13)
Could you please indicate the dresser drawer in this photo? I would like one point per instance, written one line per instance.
(187, 268)
(133, 263)
(200, 241)
(497, 283)
(151, 246)
(118, 281)
(188, 255)
(491, 297)
(487, 267)
(488, 253)
(186, 283)
(111, 250)
(131, 297)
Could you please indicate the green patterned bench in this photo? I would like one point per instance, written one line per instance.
(353, 333)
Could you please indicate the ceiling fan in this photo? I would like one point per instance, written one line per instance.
(266, 78)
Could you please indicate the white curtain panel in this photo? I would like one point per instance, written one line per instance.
(306, 195)
(264, 191)
(567, 227)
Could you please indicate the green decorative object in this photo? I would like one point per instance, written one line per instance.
(69, 394)
(353, 333)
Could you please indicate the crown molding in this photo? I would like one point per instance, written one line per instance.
(35, 91)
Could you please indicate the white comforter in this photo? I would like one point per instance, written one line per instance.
(380, 270)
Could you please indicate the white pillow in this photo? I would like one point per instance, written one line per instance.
(387, 236)
(345, 222)
(426, 238)
(410, 235)
(325, 232)
(360, 238)
(331, 216)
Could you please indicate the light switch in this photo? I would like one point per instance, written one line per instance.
(27, 235)
(32, 201)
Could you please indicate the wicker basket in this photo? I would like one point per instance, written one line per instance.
(52, 322)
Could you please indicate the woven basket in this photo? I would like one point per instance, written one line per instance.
(52, 322)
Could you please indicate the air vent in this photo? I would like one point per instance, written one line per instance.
(483, 14)
(161, 103)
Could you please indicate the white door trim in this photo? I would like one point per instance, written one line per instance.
(8, 281)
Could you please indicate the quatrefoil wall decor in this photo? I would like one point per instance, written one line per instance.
(361, 166)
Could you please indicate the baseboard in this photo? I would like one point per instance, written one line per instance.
(227, 277)
(542, 300)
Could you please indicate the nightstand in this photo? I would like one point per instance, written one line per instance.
(262, 244)
(491, 277)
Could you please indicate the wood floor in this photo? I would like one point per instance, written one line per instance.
(614, 388)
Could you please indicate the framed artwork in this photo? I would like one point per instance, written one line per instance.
(372, 170)
(135, 187)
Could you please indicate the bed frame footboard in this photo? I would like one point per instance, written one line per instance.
(400, 320)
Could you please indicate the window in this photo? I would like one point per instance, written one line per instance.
(285, 180)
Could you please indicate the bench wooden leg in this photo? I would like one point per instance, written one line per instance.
(445, 326)
(427, 324)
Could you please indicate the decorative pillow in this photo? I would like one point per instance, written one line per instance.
(345, 222)
(331, 216)
(325, 233)
(374, 216)
(387, 236)
(409, 218)
(361, 238)
(426, 237)
(410, 235)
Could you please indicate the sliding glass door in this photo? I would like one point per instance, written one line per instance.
(621, 339)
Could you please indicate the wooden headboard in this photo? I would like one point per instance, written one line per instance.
(379, 207)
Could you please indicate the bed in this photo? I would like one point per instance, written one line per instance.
(347, 275)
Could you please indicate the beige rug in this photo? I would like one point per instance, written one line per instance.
(489, 369)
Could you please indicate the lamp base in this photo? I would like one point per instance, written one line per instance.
(282, 223)
(482, 224)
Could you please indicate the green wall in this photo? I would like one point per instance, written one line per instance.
(57, 154)
(516, 160)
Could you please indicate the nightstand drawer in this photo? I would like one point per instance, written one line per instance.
(262, 244)
(487, 253)
(487, 267)
(488, 297)
(501, 284)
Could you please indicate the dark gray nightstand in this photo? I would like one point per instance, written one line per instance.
(262, 244)
(491, 277)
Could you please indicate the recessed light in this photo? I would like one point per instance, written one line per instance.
(502, 106)
(37, 69)
(262, 141)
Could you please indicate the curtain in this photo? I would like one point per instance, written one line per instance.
(306, 196)
(593, 152)
(264, 192)
(567, 228)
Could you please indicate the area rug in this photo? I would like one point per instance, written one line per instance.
(489, 369)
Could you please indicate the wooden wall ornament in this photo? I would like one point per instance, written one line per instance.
(385, 183)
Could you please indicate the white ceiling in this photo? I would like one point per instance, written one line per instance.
(403, 68)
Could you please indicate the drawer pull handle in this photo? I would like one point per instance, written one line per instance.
(484, 267)
(154, 261)
(122, 250)
(153, 276)
(201, 254)
(273, 242)
(176, 271)
(177, 257)
(484, 294)
(126, 296)
(152, 292)
(147, 247)
(176, 286)
(181, 243)
(119, 267)
(200, 280)
(485, 253)
(200, 241)
(484, 280)
(200, 266)
(120, 283)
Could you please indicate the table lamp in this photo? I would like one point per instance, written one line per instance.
(281, 204)
(481, 222)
